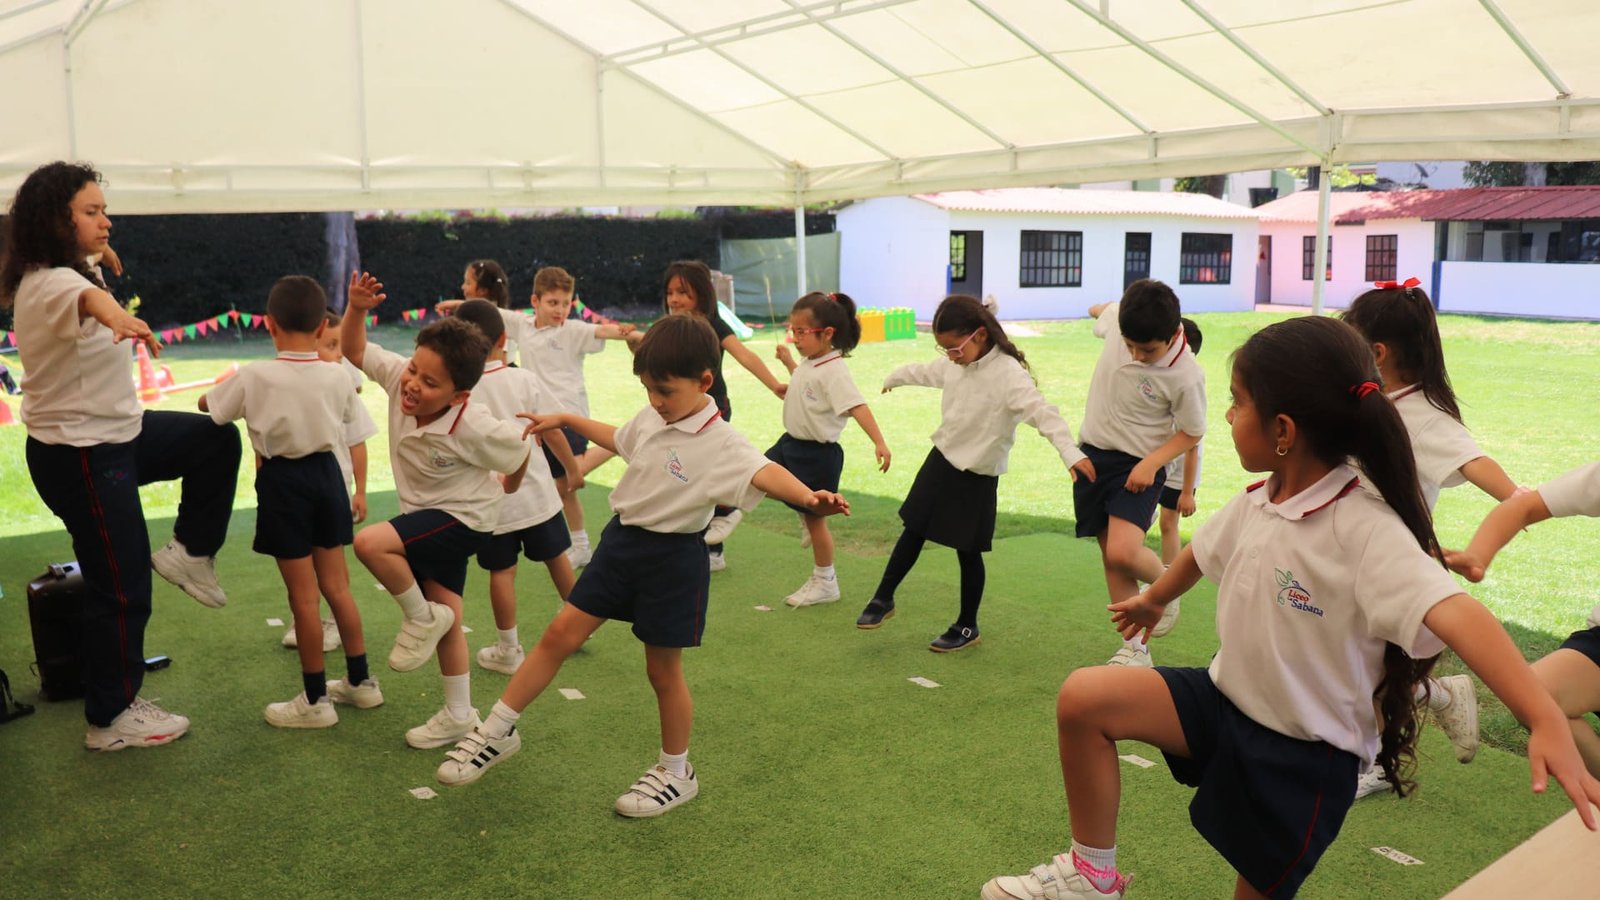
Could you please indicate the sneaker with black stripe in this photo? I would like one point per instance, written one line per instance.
(475, 753)
(657, 791)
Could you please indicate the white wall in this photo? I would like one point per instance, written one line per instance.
(1414, 257)
(894, 251)
(1103, 247)
(1555, 290)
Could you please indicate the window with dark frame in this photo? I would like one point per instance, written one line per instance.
(1205, 259)
(1308, 258)
(958, 256)
(1051, 259)
(1382, 250)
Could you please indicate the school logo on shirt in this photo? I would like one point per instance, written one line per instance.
(811, 393)
(675, 467)
(439, 460)
(1294, 594)
(1146, 387)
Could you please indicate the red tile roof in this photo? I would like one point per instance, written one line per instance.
(1460, 204)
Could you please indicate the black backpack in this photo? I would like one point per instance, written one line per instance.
(9, 707)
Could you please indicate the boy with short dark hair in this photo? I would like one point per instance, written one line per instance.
(1146, 407)
(444, 452)
(298, 410)
(652, 567)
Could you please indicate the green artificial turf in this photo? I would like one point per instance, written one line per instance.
(825, 772)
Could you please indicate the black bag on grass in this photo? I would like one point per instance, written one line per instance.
(55, 602)
(9, 707)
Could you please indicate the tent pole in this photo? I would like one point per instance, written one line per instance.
(1319, 266)
(800, 247)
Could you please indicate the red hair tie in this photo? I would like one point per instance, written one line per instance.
(1360, 391)
(834, 297)
(1408, 284)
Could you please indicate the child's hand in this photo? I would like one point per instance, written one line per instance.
(1465, 564)
(539, 424)
(574, 481)
(784, 356)
(1142, 476)
(127, 325)
(781, 390)
(446, 307)
(827, 503)
(1083, 468)
(626, 329)
(1551, 751)
(110, 260)
(358, 508)
(365, 291)
(1186, 504)
(1136, 615)
(881, 451)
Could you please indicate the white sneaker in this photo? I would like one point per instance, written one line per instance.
(298, 713)
(657, 791)
(498, 657)
(1128, 656)
(195, 575)
(1169, 618)
(1371, 782)
(579, 556)
(816, 590)
(1459, 719)
(442, 729)
(474, 754)
(1058, 879)
(722, 526)
(330, 637)
(719, 561)
(416, 640)
(143, 724)
(365, 695)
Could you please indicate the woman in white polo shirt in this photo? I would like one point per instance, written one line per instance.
(90, 444)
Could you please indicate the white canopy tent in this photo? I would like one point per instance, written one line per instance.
(189, 105)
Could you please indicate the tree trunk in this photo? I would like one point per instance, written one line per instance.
(343, 256)
(1534, 174)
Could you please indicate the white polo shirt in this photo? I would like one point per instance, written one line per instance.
(821, 394)
(1134, 407)
(448, 464)
(505, 391)
(982, 404)
(1309, 590)
(1441, 444)
(1575, 493)
(356, 378)
(555, 354)
(293, 405)
(355, 433)
(77, 386)
(677, 473)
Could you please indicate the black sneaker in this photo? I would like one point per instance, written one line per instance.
(877, 610)
(955, 638)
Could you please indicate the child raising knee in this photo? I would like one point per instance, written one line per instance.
(530, 519)
(820, 400)
(651, 567)
(1146, 407)
(444, 452)
(298, 410)
(1331, 608)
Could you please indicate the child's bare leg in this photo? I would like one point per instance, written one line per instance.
(305, 605)
(503, 597)
(593, 458)
(1244, 890)
(1574, 681)
(564, 635)
(821, 540)
(1171, 539)
(561, 575)
(383, 553)
(333, 580)
(453, 646)
(1097, 707)
(1119, 586)
(1125, 552)
(664, 665)
(571, 507)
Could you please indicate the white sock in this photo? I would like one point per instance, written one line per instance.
(508, 636)
(413, 605)
(676, 763)
(1102, 862)
(501, 720)
(824, 572)
(1438, 694)
(580, 539)
(458, 696)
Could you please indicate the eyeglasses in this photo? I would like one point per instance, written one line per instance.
(954, 352)
(799, 331)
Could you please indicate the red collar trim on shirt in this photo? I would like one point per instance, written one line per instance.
(827, 359)
(459, 413)
(496, 367)
(298, 356)
(1404, 392)
(709, 422)
(1348, 487)
(698, 422)
(1184, 336)
(1254, 486)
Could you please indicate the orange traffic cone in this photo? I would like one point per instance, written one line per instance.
(5, 414)
(149, 387)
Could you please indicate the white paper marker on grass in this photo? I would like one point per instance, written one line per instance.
(1139, 761)
(423, 793)
(919, 680)
(763, 608)
(274, 623)
(572, 693)
(1394, 855)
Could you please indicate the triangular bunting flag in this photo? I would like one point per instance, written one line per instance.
(233, 314)
(189, 330)
(372, 321)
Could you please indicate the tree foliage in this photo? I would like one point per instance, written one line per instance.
(1516, 174)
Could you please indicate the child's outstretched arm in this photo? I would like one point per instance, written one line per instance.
(1140, 613)
(1096, 309)
(562, 449)
(1489, 477)
(1497, 530)
(597, 432)
(754, 365)
(776, 481)
(364, 293)
(1144, 472)
(1477, 637)
(358, 471)
(1024, 398)
(512, 481)
(615, 331)
(928, 374)
(880, 449)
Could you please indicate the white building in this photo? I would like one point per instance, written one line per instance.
(1046, 253)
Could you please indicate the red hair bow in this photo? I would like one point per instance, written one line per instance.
(1360, 391)
(1408, 284)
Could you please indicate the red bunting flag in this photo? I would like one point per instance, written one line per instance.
(233, 314)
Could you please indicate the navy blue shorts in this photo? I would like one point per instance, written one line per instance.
(1170, 495)
(579, 444)
(656, 581)
(544, 541)
(1095, 502)
(301, 504)
(1269, 803)
(817, 465)
(438, 546)
(1586, 642)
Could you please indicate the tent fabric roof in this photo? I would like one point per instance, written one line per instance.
(1089, 203)
(340, 104)
(1458, 205)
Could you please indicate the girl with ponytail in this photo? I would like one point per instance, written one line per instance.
(1331, 605)
(987, 393)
